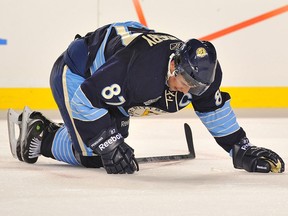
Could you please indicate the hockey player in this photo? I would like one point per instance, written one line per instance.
(123, 70)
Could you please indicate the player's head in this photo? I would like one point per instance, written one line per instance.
(196, 61)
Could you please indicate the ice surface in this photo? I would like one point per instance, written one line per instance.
(207, 185)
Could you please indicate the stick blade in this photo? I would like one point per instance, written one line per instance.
(167, 158)
(189, 140)
(191, 155)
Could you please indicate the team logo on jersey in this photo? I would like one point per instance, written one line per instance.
(174, 46)
(201, 52)
(171, 100)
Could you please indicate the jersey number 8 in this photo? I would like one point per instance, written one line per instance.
(110, 91)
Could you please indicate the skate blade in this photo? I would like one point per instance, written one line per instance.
(25, 120)
(12, 119)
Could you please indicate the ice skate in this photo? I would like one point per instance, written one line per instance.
(13, 118)
(27, 147)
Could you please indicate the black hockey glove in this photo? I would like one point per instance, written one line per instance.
(256, 159)
(117, 156)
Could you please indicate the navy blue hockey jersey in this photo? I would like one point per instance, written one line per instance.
(120, 71)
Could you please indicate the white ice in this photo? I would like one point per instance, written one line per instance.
(207, 185)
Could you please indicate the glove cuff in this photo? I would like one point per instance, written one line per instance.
(238, 152)
(106, 142)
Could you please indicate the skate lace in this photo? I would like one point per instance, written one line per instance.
(34, 149)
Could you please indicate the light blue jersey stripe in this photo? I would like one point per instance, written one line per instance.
(62, 147)
(100, 57)
(123, 111)
(220, 122)
(74, 81)
(83, 110)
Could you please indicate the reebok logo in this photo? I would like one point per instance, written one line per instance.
(124, 123)
(262, 167)
(110, 141)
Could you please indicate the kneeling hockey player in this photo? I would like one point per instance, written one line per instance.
(122, 70)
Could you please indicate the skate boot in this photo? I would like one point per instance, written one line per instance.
(33, 126)
(31, 146)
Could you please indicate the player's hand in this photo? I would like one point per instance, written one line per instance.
(117, 156)
(256, 159)
(121, 160)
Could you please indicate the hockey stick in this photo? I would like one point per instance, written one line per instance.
(191, 155)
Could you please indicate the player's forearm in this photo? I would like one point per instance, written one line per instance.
(222, 125)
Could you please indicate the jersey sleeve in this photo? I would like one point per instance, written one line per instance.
(96, 97)
(214, 110)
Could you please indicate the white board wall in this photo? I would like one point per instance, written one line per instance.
(37, 32)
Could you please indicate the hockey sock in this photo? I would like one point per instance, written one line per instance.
(62, 149)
